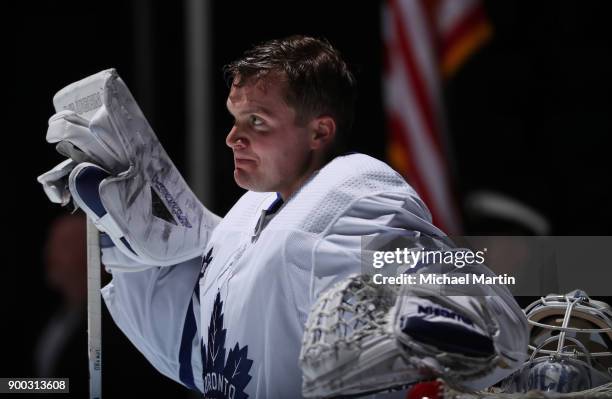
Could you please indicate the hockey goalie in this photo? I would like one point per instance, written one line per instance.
(223, 305)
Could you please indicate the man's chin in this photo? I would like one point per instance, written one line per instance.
(245, 181)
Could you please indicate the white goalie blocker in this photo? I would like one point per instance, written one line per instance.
(121, 176)
(363, 338)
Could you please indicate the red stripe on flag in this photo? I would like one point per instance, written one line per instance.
(423, 101)
(399, 134)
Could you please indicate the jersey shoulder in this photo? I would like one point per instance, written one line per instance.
(355, 184)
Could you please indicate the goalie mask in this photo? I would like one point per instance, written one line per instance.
(570, 345)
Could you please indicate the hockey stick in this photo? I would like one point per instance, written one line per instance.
(84, 98)
(94, 315)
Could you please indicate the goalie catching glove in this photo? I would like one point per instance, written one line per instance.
(121, 176)
(363, 338)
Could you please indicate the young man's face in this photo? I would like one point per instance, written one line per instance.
(271, 152)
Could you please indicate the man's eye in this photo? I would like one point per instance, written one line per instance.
(256, 121)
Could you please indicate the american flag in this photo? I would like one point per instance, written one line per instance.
(426, 41)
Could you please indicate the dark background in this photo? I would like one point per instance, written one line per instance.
(529, 114)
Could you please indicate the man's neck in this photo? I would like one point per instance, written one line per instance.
(312, 169)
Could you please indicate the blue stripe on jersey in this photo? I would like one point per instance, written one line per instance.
(189, 332)
(275, 205)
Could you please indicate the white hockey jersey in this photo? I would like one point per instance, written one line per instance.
(230, 324)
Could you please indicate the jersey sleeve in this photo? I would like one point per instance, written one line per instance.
(337, 251)
(316, 261)
(158, 310)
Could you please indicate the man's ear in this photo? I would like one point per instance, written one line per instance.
(323, 131)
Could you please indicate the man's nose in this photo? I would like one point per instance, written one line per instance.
(235, 139)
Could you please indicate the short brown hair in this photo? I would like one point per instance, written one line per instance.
(319, 82)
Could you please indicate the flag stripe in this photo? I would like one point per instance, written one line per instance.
(461, 41)
(408, 99)
(424, 41)
(399, 131)
(450, 12)
(405, 46)
(420, 149)
(421, 153)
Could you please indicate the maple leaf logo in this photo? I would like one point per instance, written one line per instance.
(206, 259)
(223, 378)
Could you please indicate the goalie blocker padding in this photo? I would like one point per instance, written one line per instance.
(141, 201)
